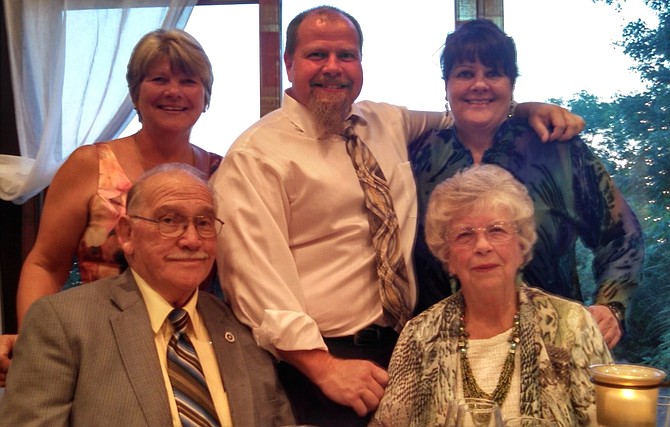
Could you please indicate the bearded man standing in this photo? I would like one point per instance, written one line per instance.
(325, 283)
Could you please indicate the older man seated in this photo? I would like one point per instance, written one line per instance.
(146, 348)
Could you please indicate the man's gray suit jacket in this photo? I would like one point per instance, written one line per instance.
(87, 357)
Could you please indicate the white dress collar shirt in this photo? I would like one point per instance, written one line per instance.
(296, 259)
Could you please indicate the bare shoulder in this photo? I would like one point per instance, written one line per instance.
(80, 172)
(83, 160)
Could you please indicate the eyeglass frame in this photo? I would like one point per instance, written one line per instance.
(486, 229)
(191, 220)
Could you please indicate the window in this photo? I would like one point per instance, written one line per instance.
(401, 47)
(233, 51)
(565, 48)
(566, 54)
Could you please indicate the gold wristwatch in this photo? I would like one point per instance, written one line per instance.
(619, 311)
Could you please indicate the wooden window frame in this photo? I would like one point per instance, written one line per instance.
(269, 25)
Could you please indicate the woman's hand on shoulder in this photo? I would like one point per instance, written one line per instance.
(609, 325)
(7, 342)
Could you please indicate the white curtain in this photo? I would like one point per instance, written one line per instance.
(68, 63)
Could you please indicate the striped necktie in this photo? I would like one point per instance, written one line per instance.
(194, 402)
(391, 269)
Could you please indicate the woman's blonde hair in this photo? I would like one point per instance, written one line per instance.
(183, 52)
(477, 190)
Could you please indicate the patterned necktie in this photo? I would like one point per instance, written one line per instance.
(394, 286)
(194, 402)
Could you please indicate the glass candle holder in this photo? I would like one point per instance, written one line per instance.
(626, 395)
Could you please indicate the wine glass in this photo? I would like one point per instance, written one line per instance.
(478, 413)
(452, 408)
(528, 421)
(452, 411)
(663, 411)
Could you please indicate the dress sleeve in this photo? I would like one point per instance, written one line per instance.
(422, 372)
(256, 268)
(609, 227)
(214, 162)
(588, 349)
(405, 373)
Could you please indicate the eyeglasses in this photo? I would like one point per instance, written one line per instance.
(497, 232)
(176, 225)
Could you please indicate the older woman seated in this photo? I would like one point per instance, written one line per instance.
(497, 338)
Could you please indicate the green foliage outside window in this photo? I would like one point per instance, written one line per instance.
(632, 135)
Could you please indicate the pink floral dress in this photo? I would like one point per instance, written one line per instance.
(99, 254)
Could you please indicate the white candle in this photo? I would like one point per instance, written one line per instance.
(622, 407)
(626, 394)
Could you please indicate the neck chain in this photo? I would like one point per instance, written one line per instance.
(470, 387)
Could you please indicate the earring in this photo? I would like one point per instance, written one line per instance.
(512, 109)
(453, 284)
(518, 280)
(446, 109)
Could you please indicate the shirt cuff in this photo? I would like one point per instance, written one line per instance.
(288, 330)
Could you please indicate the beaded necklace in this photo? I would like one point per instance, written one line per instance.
(470, 387)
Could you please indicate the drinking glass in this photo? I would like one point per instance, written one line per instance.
(478, 413)
(527, 421)
(663, 411)
(452, 411)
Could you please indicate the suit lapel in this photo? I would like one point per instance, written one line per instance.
(135, 341)
(232, 363)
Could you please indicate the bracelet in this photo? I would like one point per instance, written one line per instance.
(619, 311)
